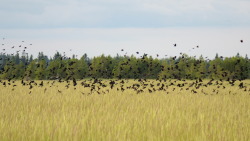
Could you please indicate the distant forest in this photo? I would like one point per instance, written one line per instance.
(26, 67)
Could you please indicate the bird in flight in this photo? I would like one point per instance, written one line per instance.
(174, 45)
(122, 50)
(241, 41)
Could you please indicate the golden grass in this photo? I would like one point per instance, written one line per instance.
(116, 115)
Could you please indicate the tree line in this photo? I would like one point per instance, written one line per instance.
(131, 67)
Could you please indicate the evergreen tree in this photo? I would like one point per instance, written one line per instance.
(41, 72)
(30, 71)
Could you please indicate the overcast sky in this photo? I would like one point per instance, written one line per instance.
(107, 26)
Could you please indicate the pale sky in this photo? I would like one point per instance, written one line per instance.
(107, 26)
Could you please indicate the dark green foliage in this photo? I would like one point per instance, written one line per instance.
(182, 67)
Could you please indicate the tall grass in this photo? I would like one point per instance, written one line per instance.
(116, 115)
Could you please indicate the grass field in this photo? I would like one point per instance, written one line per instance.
(196, 112)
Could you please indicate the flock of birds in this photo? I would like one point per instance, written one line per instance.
(30, 44)
(175, 45)
(138, 86)
(20, 48)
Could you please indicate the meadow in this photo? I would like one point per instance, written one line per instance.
(131, 110)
